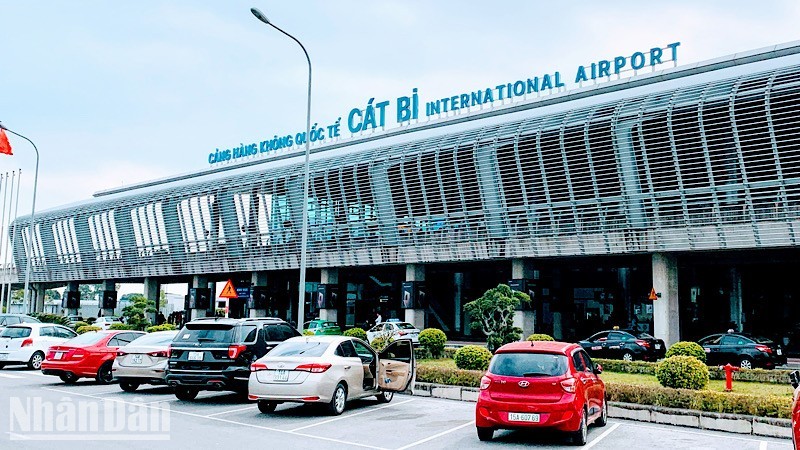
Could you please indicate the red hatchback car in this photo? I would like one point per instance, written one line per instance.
(541, 385)
(89, 355)
(795, 377)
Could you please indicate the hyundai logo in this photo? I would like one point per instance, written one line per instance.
(524, 384)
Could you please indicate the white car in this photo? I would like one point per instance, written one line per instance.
(143, 361)
(105, 322)
(28, 343)
(397, 331)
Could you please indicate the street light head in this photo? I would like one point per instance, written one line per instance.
(260, 16)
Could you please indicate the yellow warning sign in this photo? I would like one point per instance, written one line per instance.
(229, 291)
(652, 296)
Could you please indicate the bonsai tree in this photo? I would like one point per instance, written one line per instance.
(135, 314)
(493, 314)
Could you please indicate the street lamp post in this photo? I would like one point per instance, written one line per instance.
(31, 230)
(304, 229)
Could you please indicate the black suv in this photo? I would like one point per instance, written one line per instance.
(215, 353)
(627, 345)
(743, 350)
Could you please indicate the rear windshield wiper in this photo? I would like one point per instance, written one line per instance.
(536, 374)
(205, 339)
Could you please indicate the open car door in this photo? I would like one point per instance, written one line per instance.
(396, 366)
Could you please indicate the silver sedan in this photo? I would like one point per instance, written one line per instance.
(331, 370)
(143, 361)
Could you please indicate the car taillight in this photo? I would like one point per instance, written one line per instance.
(256, 366)
(569, 385)
(27, 342)
(169, 351)
(485, 383)
(161, 354)
(313, 368)
(402, 333)
(763, 348)
(642, 343)
(235, 350)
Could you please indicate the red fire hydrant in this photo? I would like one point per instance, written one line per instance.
(729, 369)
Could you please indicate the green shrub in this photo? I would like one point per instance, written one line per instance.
(473, 357)
(380, 343)
(450, 352)
(433, 339)
(121, 326)
(51, 318)
(77, 325)
(714, 372)
(687, 348)
(91, 320)
(86, 329)
(163, 327)
(620, 366)
(540, 337)
(685, 372)
(453, 377)
(356, 333)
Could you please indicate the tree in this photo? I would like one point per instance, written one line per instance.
(89, 291)
(135, 314)
(493, 314)
(52, 294)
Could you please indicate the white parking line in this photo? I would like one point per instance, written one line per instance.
(435, 436)
(600, 438)
(351, 415)
(218, 419)
(5, 375)
(685, 431)
(762, 445)
(251, 407)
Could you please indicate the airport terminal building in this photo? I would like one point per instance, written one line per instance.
(685, 181)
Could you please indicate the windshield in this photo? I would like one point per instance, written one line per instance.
(206, 332)
(16, 332)
(155, 339)
(405, 326)
(300, 348)
(528, 364)
(761, 340)
(89, 338)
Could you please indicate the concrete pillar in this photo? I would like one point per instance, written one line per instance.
(212, 299)
(666, 313)
(72, 286)
(329, 276)
(522, 269)
(737, 316)
(458, 294)
(557, 304)
(38, 304)
(107, 285)
(258, 279)
(152, 291)
(200, 281)
(416, 317)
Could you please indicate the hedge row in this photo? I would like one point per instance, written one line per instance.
(709, 401)
(423, 353)
(714, 372)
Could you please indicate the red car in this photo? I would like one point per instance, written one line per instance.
(795, 377)
(89, 355)
(541, 385)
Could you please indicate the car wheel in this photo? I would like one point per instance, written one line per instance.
(338, 401)
(104, 374)
(579, 436)
(746, 363)
(266, 407)
(603, 419)
(128, 386)
(35, 362)
(627, 356)
(485, 434)
(68, 377)
(385, 397)
(186, 394)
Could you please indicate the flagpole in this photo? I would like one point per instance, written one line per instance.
(6, 220)
(13, 241)
(4, 190)
(31, 230)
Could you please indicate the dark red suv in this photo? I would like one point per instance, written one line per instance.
(541, 385)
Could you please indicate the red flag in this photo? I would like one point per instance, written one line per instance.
(5, 146)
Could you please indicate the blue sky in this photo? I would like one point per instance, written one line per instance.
(119, 92)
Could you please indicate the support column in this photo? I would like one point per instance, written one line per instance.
(72, 308)
(525, 317)
(200, 281)
(331, 312)
(458, 294)
(416, 315)
(259, 298)
(107, 285)
(737, 316)
(38, 305)
(212, 298)
(152, 291)
(666, 313)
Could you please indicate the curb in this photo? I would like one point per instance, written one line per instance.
(731, 423)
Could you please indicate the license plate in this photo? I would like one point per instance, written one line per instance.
(523, 417)
(658, 346)
(779, 352)
(3, 356)
(58, 355)
(196, 356)
(281, 375)
(137, 359)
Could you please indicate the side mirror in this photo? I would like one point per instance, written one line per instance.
(598, 369)
(794, 376)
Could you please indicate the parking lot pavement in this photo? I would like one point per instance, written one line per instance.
(218, 418)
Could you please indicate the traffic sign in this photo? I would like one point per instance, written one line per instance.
(229, 291)
(653, 295)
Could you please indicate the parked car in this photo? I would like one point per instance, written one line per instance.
(13, 319)
(322, 327)
(106, 322)
(89, 355)
(73, 319)
(331, 370)
(143, 361)
(743, 350)
(396, 330)
(27, 343)
(215, 353)
(534, 385)
(624, 345)
(795, 377)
